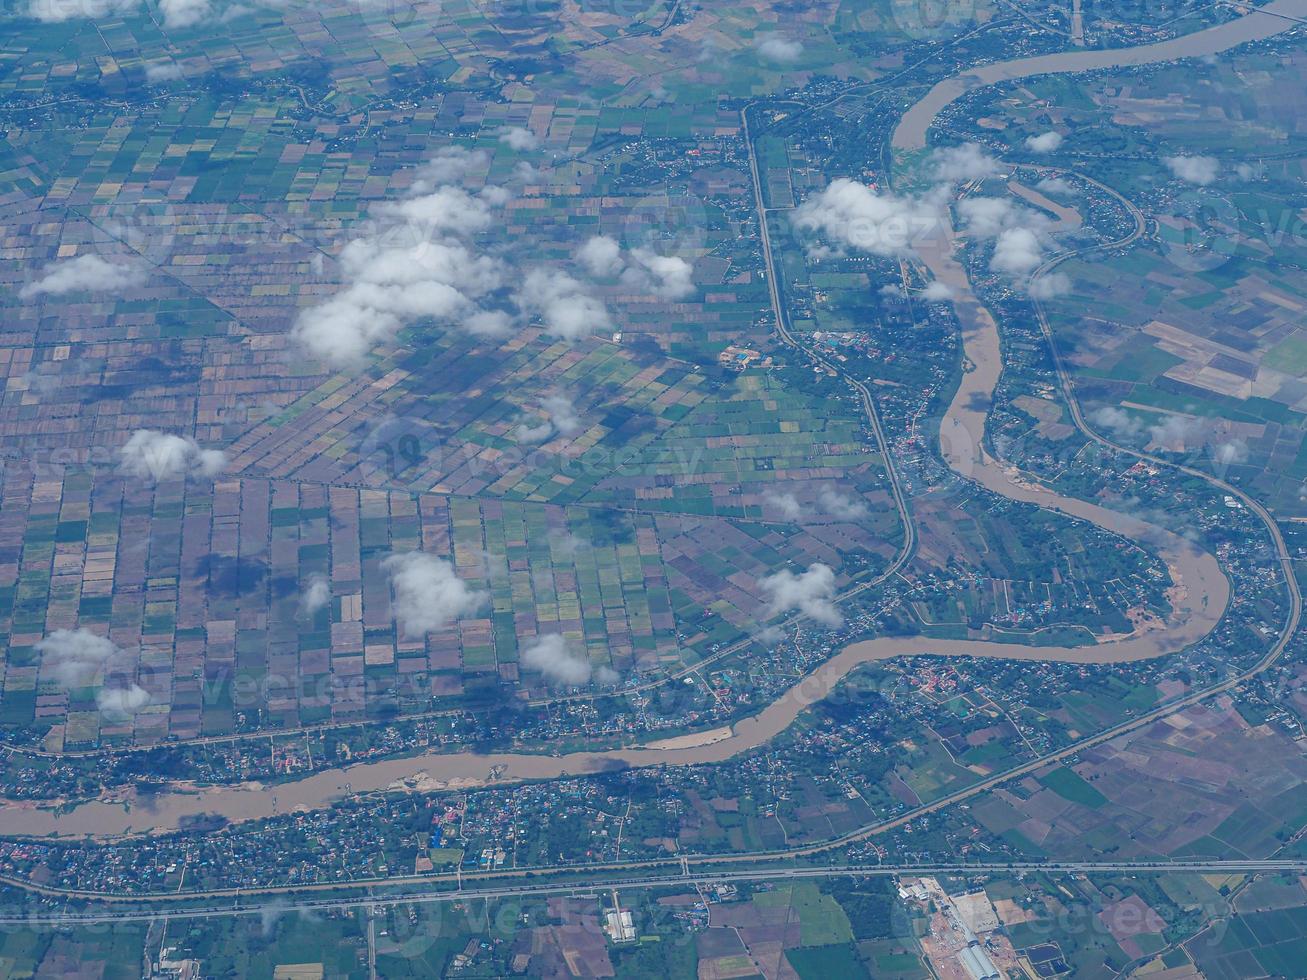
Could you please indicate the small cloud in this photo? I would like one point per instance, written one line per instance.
(525, 432)
(811, 593)
(786, 504)
(601, 256)
(1044, 142)
(157, 456)
(448, 165)
(122, 702)
(1116, 420)
(1175, 433)
(315, 594)
(560, 662)
(488, 323)
(1194, 170)
(780, 50)
(184, 13)
(1017, 251)
(842, 506)
(168, 71)
(1230, 453)
(58, 11)
(1021, 240)
(668, 277)
(850, 214)
(446, 210)
(1055, 185)
(519, 138)
(75, 658)
(967, 161)
(428, 596)
(560, 415)
(1049, 286)
(388, 286)
(85, 273)
(937, 292)
(566, 308)
(566, 543)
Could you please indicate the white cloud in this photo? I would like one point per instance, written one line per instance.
(562, 413)
(519, 138)
(166, 71)
(785, 503)
(1195, 170)
(937, 292)
(1044, 142)
(315, 594)
(988, 216)
(1231, 452)
(445, 209)
(84, 273)
(601, 256)
(75, 658)
(560, 417)
(1115, 420)
(967, 161)
(153, 455)
(58, 11)
(390, 286)
(566, 543)
(1055, 185)
(526, 432)
(668, 277)
(1017, 251)
(851, 214)
(779, 49)
(122, 702)
(811, 592)
(1021, 241)
(184, 13)
(844, 507)
(80, 658)
(428, 595)
(559, 662)
(1175, 433)
(488, 323)
(448, 165)
(413, 264)
(565, 307)
(1049, 286)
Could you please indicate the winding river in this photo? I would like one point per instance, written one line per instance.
(1199, 596)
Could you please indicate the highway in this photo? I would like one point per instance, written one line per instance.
(593, 886)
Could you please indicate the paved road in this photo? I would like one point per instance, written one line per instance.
(180, 909)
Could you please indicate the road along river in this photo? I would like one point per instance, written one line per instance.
(1274, 18)
(1199, 597)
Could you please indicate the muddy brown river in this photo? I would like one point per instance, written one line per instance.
(1199, 597)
